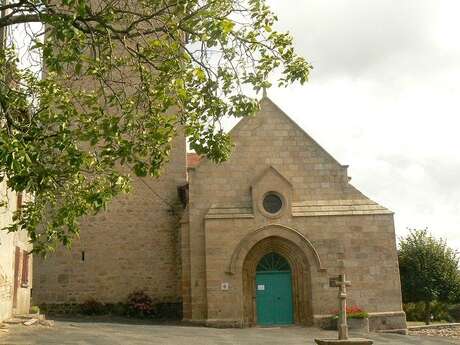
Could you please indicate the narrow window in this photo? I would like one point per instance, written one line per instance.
(17, 260)
(25, 269)
(83, 255)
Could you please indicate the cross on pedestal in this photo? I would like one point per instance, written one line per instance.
(342, 284)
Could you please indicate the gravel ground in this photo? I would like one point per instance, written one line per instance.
(451, 332)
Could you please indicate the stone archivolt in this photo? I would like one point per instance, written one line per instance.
(278, 231)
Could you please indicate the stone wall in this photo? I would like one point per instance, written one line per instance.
(368, 257)
(8, 245)
(131, 246)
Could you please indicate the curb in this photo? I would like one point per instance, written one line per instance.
(437, 326)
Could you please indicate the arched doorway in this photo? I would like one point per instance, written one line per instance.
(298, 272)
(274, 291)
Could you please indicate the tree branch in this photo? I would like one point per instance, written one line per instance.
(21, 19)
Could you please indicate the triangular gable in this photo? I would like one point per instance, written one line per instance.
(242, 134)
(268, 170)
(241, 124)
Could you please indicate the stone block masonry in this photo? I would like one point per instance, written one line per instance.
(134, 245)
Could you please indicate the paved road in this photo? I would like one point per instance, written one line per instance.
(80, 332)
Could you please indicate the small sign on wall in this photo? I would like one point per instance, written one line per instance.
(224, 286)
(260, 287)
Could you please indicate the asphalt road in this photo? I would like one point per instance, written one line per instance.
(119, 332)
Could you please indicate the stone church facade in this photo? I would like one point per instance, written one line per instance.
(256, 242)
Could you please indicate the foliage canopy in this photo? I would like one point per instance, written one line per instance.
(114, 82)
(429, 270)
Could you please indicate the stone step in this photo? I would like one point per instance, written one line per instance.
(13, 321)
(29, 316)
(402, 331)
(24, 318)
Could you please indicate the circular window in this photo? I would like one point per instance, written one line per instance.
(272, 203)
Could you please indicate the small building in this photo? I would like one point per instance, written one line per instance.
(15, 260)
(256, 244)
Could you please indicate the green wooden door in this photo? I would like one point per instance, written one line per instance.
(274, 292)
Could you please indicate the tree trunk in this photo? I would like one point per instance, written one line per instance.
(427, 312)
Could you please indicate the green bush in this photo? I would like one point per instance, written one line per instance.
(358, 315)
(454, 312)
(34, 309)
(439, 311)
(92, 307)
(168, 311)
(118, 309)
(138, 305)
(353, 312)
(414, 311)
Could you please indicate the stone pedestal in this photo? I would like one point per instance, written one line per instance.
(342, 326)
(361, 325)
(350, 341)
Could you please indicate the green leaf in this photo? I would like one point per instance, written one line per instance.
(227, 25)
(115, 88)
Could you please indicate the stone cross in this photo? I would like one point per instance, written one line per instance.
(342, 284)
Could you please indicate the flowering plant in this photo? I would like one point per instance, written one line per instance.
(140, 304)
(353, 312)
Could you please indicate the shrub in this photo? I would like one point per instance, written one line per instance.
(140, 305)
(354, 312)
(439, 312)
(414, 311)
(168, 311)
(92, 307)
(358, 315)
(118, 309)
(454, 312)
(34, 309)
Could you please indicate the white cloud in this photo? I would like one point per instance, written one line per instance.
(384, 98)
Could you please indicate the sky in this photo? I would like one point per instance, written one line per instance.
(384, 98)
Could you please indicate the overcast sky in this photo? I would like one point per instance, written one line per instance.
(384, 97)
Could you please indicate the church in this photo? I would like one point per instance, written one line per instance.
(252, 241)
